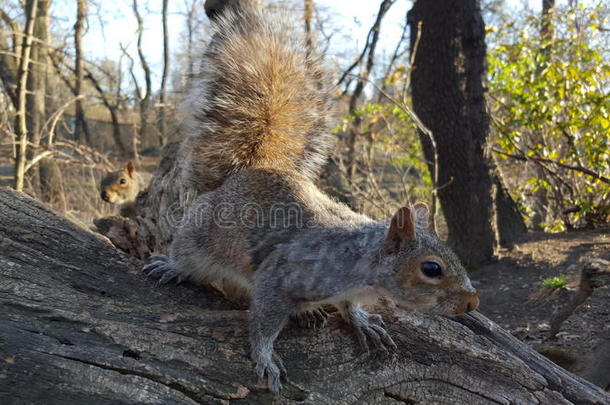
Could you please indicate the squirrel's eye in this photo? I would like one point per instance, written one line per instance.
(432, 270)
(122, 181)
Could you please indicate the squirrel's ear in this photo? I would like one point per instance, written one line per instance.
(131, 169)
(402, 228)
(420, 214)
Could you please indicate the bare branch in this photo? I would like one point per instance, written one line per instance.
(371, 40)
(576, 168)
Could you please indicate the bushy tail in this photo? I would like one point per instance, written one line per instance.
(260, 99)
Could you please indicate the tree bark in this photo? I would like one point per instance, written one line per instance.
(81, 130)
(448, 96)
(81, 325)
(308, 10)
(37, 79)
(9, 60)
(21, 125)
(36, 106)
(190, 30)
(47, 173)
(166, 66)
(539, 201)
(546, 31)
(144, 99)
(509, 224)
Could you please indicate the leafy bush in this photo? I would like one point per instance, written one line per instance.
(555, 282)
(549, 100)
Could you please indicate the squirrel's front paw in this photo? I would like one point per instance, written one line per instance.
(272, 369)
(159, 268)
(313, 319)
(370, 326)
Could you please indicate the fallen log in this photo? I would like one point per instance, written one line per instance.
(79, 324)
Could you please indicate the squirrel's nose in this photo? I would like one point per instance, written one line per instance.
(105, 196)
(470, 303)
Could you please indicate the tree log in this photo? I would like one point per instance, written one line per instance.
(81, 325)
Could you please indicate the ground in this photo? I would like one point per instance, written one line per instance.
(506, 288)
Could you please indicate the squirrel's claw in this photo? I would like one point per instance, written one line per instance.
(171, 275)
(280, 364)
(388, 341)
(361, 338)
(267, 367)
(160, 269)
(313, 319)
(370, 327)
(377, 335)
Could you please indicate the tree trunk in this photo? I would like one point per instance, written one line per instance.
(166, 66)
(143, 98)
(546, 31)
(190, 28)
(509, 224)
(448, 97)
(49, 174)
(81, 131)
(81, 325)
(37, 79)
(308, 10)
(9, 60)
(539, 200)
(21, 124)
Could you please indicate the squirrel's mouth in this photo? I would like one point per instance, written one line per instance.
(112, 199)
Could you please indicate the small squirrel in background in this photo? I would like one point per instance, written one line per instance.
(257, 139)
(121, 188)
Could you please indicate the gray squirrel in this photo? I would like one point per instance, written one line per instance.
(121, 187)
(257, 139)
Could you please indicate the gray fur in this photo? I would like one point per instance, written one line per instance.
(323, 253)
(263, 228)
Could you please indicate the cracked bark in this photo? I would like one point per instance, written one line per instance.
(80, 324)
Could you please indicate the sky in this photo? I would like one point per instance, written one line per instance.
(112, 23)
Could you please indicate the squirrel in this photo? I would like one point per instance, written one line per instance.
(257, 138)
(121, 187)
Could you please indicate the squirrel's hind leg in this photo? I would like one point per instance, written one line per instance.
(161, 269)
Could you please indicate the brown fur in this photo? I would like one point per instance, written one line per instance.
(259, 101)
(121, 187)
